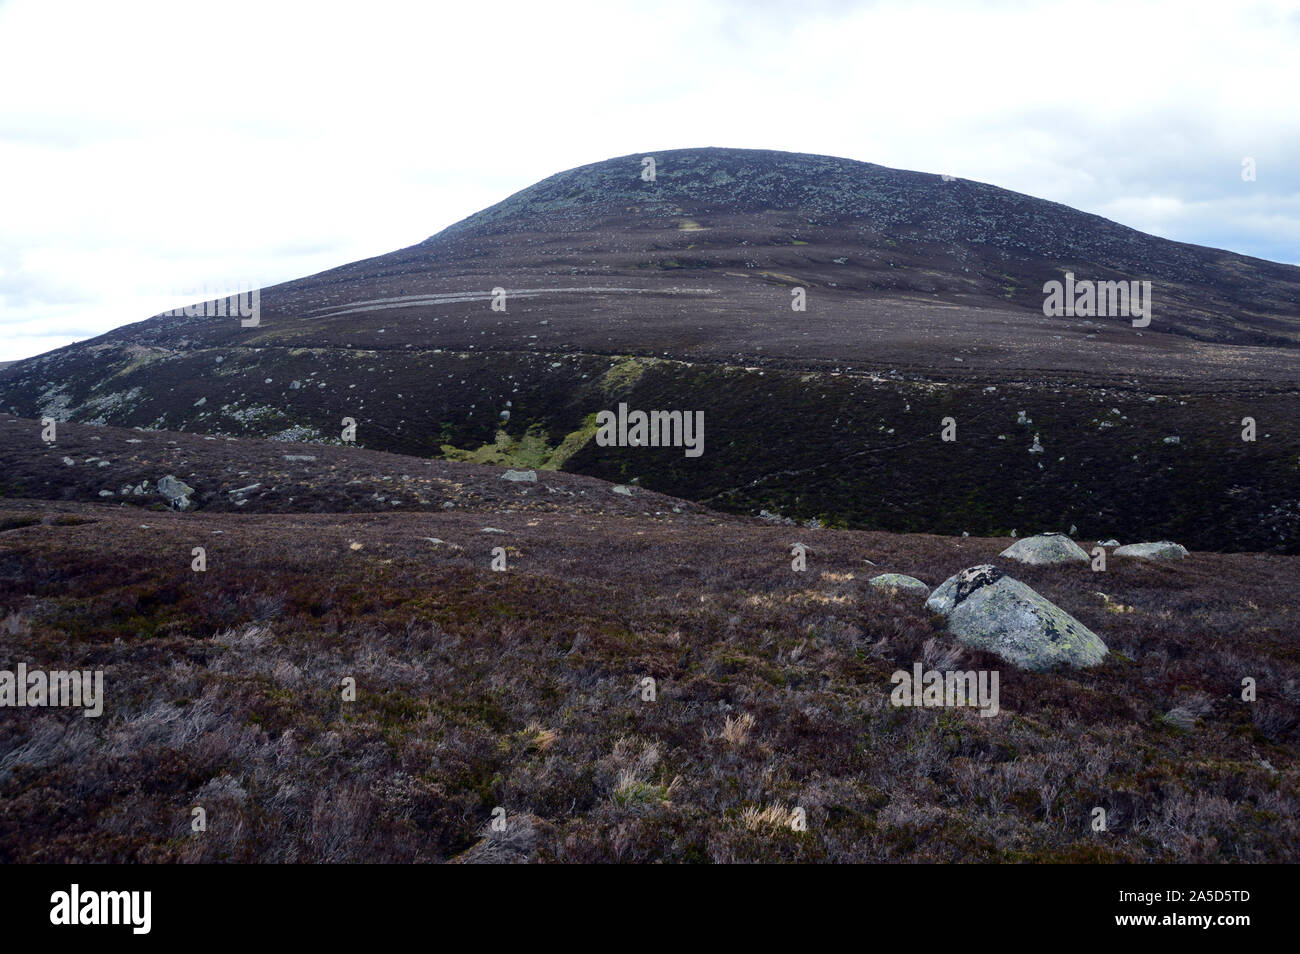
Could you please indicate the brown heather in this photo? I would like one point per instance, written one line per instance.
(523, 689)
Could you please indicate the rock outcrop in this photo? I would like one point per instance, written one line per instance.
(176, 491)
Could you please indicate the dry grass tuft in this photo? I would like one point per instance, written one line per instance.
(774, 816)
(735, 731)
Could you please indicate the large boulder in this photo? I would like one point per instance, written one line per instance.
(899, 581)
(1164, 550)
(176, 491)
(1044, 549)
(989, 610)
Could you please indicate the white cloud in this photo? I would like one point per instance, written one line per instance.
(147, 148)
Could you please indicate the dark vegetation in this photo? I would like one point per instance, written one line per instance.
(852, 450)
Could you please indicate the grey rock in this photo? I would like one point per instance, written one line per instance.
(176, 491)
(1044, 549)
(1180, 718)
(1164, 550)
(899, 581)
(953, 590)
(989, 610)
(1108, 543)
(525, 475)
(438, 542)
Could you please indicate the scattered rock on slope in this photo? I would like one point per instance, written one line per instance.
(1046, 548)
(1164, 550)
(899, 581)
(176, 491)
(989, 610)
(1180, 718)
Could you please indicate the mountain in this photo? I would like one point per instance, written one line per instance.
(924, 301)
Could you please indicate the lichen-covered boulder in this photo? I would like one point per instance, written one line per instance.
(989, 610)
(176, 491)
(1164, 550)
(1046, 548)
(899, 581)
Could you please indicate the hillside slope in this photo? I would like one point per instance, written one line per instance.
(524, 688)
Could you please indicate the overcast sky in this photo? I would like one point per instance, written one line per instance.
(150, 151)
